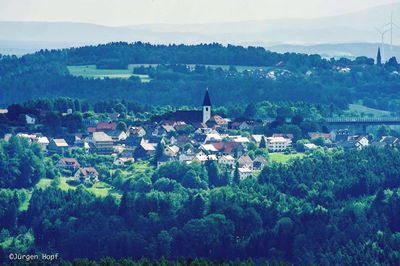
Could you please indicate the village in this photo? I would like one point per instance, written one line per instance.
(189, 136)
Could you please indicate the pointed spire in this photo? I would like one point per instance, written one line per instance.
(207, 101)
(379, 57)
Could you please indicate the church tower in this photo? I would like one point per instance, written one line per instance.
(379, 57)
(206, 107)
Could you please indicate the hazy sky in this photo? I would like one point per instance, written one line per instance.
(131, 12)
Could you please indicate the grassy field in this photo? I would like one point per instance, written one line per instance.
(91, 71)
(367, 111)
(283, 158)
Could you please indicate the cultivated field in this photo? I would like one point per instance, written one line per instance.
(91, 71)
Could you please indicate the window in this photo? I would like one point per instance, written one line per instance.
(206, 109)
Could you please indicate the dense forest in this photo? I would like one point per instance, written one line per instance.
(281, 77)
(331, 207)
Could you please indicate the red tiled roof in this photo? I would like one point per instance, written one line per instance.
(104, 125)
(88, 170)
(91, 129)
(226, 147)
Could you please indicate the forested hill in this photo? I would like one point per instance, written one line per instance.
(178, 74)
(122, 54)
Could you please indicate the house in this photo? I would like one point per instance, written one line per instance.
(87, 175)
(132, 141)
(389, 140)
(208, 148)
(241, 139)
(327, 137)
(355, 141)
(257, 139)
(217, 121)
(103, 143)
(278, 144)
(203, 158)
(43, 142)
(165, 159)
(245, 173)
(30, 120)
(213, 137)
(186, 157)
(145, 149)
(117, 135)
(259, 163)
(70, 164)
(182, 126)
(229, 148)
(57, 145)
(226, 160)
(171, 151)
(106, 126)
(168, 129)
(310, 146)
(360, 141)
(123, 161)
(245, 161)
(341, 135)
(136, 131)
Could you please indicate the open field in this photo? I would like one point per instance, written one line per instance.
(91, 71)
(100, 189)
(284, 158)
(367, 111)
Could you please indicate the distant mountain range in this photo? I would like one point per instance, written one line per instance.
(344, 35)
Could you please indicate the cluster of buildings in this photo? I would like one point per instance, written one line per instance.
(187, 136)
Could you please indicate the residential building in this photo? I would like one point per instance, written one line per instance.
(245, 173)
(57, 146)
(227, 161)
(123, 161)
(259, 163)
(70, 164)
(136, 131)
(145, 149)
(87, 175)
(278, 144)
(103, 143)
(245, 162)
(171, 151)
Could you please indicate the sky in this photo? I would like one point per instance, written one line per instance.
(134, 12)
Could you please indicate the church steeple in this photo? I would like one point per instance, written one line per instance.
(379, 57)
(207, 101)
(206, 107)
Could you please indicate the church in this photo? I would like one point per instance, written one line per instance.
(194, 116)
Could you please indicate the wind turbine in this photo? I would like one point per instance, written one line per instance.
(391, 24)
